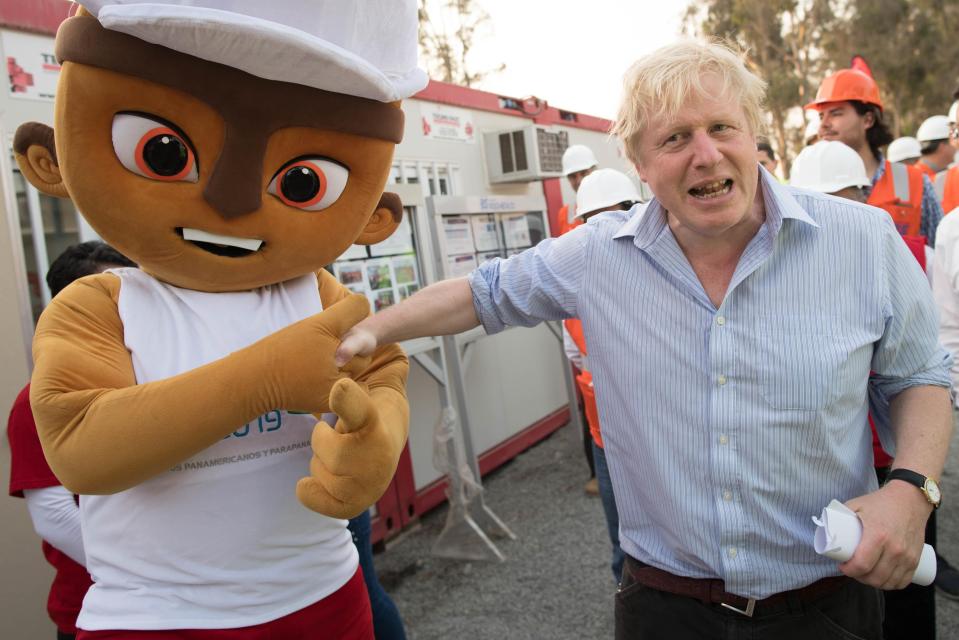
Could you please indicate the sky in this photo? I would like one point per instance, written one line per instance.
(572, 53)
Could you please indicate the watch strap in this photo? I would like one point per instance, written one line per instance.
(909, 476)
(916, 479)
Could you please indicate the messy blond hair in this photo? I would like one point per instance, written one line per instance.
(658, 84)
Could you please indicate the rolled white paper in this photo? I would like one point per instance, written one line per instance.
(839, 531)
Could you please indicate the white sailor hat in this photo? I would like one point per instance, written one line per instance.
(366, 49)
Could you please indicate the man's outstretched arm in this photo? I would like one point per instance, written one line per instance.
(440, 309)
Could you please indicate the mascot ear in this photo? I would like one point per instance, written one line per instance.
(36, 156)
(384, 221)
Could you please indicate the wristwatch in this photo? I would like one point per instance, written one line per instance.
(928, 486)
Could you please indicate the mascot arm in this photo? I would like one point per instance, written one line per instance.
(353, 463)
(103, 433)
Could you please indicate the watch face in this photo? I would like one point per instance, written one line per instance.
(932, 490)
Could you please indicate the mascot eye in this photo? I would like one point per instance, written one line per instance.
(311, 184)
(153, 149)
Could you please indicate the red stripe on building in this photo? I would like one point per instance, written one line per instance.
(39, 16)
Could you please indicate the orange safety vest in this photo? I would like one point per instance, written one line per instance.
(584, 380)
(926, 169)
(947, 188)
(564, 223)
(899, 192)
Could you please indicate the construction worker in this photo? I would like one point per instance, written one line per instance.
(832, 167)
(602, 190)
(850, 111)
(766, 156)
(937, 153)
(906, 150)
(578, 162)
(947, 182)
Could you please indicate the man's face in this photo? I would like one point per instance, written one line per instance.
(701, 163)
(840, 121)
(766, 161)
(576, 178)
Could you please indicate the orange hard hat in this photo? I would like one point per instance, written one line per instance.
(847, 84)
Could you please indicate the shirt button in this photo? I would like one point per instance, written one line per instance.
(723, 440)
(721, 380)
(731, 552)
(727, 495)
(720, 320)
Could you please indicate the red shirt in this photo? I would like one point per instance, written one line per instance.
(29, 470)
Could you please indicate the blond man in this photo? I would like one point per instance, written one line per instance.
(732, 324)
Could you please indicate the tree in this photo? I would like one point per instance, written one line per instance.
(780, 38)
(446, 52)
(910, 46)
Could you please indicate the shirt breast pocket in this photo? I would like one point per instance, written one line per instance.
(800, 361)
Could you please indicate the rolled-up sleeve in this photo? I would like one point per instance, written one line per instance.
(541, 283)
(909, 353)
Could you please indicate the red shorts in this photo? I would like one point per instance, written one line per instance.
(343, 615)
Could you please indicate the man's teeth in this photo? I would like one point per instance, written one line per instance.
(196, 235)
(712, 190)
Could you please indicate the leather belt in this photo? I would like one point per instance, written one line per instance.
(713, 591)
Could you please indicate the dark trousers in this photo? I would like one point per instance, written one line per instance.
(642, 613)
(387, 624)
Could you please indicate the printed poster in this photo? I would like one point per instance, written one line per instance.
(460, 265)
(441, 122)
(485, 235)
(458, 234)
(32, 67)
(516, 230)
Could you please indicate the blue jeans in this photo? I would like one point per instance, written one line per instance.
(609, 508)
(387, 624)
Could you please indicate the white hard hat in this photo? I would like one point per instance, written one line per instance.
(366, 49)
(933, 128)
(578, 157)
(828, 166)
(604, 188)
(903, 149)
(953, 116)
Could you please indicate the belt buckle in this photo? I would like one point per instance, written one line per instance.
(748, 611)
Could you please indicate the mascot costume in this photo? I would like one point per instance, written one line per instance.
(232, 148)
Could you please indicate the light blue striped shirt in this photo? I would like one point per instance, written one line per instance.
(726, 429)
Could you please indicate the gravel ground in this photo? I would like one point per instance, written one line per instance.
(556, 580)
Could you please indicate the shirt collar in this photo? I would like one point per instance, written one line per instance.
(648, 221)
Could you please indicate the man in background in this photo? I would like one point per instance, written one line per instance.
(53, 509)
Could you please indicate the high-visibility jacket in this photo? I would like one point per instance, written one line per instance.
(947, 188)
(564, 222)
(584, 380)
(899, 192)
(926, 169)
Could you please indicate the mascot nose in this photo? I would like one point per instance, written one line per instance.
(235, 186)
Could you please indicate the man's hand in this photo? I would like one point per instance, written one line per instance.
(298, 360)
(353, 464)
(358, 341)
(893, 530)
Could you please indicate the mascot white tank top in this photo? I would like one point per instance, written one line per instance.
(220, 540)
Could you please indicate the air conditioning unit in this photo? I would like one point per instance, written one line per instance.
(533, 152)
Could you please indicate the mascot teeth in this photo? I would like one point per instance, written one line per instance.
(196, 235)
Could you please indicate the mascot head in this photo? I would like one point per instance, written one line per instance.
(229, 144)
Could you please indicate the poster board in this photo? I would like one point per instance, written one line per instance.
(469, 230)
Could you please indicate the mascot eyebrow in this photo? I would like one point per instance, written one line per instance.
(234, 187)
